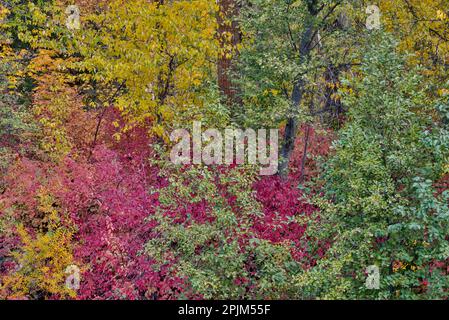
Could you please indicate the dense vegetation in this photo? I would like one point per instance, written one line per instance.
(91, 90)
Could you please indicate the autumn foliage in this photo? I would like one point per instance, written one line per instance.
(91, 207)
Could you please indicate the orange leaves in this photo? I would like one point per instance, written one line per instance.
(58, 106)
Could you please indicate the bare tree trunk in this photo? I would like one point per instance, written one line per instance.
(229, 10)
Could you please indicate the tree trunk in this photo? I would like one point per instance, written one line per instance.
(228, 12)
(297, 95)
(306, 45)
(290, 131)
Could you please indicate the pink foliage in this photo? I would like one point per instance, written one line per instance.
(108, 200)
(319, 143)
(282, 203)
(107, 197)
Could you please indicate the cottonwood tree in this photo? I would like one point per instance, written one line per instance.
(293, 53)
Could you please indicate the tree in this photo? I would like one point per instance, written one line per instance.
(291, 56)
(164, 54)
(229, 36)
(422, 27)
(381, 208)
